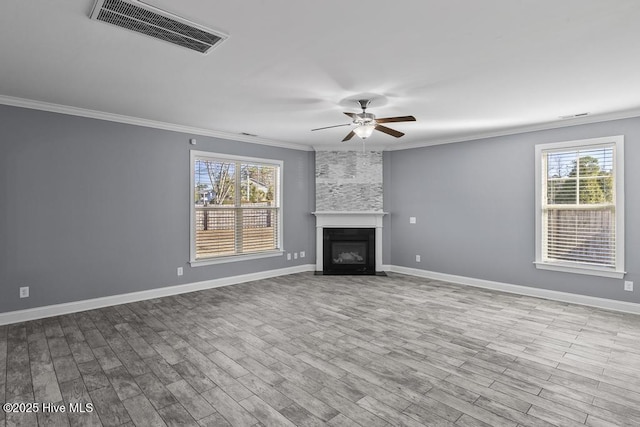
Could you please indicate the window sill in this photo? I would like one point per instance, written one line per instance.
(591, 271)
(235, 258)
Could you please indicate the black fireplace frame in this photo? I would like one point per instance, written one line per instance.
(348, 235)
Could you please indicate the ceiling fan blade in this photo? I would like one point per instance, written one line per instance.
(352, 115)
(329, 127)
(349, 136)
(396, 119)
(389, 131)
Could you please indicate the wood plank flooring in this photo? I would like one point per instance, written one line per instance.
(310, 350)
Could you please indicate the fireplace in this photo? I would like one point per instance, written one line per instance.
(349, 251)
(359, 232)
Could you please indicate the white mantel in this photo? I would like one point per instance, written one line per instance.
(348, 219)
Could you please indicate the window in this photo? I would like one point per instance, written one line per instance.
(580, 206)
(235, 208)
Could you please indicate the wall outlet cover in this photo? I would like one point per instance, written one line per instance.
(412, 220)
(295, 255)
(288, 257)
(24, 292)
(180, 271)
(417, 258)
(628, 286)
(302, 254)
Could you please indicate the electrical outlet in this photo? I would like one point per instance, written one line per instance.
(412, 220)
(295, 255)
(302, 254)
(417, 258)
(288, 257)
(24, 292)
(180, 271)
(628, 286)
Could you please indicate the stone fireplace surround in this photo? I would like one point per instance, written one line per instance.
(348, 219)
(349, 194)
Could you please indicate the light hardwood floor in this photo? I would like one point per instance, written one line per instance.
(337, 350)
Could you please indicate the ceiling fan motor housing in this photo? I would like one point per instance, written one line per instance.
(364, 119)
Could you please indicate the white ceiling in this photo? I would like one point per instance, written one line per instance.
(463, 68)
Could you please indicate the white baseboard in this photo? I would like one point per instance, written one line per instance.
(90, 304)
(609, 304)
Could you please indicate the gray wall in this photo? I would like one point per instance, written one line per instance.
(474, 203)
(92, 208)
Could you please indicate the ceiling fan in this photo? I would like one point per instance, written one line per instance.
(366, 123)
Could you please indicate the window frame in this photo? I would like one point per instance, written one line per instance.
(617, 142)
(279, 251)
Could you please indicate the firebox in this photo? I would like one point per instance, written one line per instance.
(349, 251)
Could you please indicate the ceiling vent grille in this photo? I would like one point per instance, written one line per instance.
(573, 116)
(143, 18)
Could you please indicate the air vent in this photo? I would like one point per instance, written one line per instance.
(573, 116)
(148, 20)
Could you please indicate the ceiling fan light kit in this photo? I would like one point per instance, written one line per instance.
(364, 131)
(366, 123)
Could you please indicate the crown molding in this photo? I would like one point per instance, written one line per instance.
(368, 146)
(351, 146)
(560, 123)
(119, 118)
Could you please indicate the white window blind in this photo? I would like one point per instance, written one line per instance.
(579, 205)
(235, 206)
